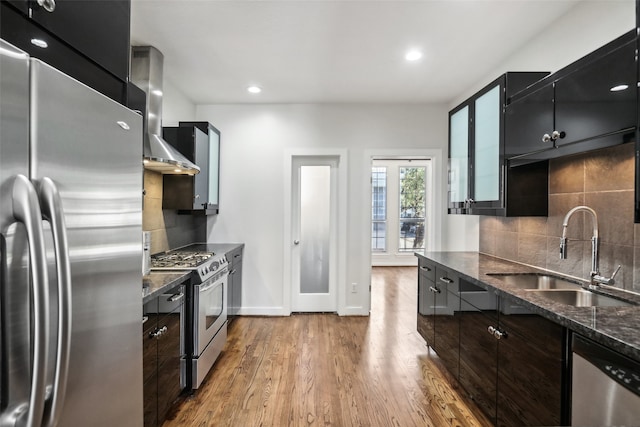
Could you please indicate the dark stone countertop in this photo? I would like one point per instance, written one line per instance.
(615, 327)
(156, 282)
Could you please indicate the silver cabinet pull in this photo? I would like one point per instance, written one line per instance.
(48, 5)
(145, 319)
(296, 242)
(425, 268)
(27, 211)
(546, 138)
(176, 297)
(158, 332)
(499, 334)
(434, 289)
(52, 211)
(446, 280)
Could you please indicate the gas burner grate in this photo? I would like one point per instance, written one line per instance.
(180, 259)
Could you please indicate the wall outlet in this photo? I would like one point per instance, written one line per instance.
(354, 288)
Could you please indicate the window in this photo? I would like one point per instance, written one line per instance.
(378, 208)
(412, 208)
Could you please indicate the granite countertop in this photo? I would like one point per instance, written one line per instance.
(615, 327)
(156, 282)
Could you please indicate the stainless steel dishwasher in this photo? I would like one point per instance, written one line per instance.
(605, 386)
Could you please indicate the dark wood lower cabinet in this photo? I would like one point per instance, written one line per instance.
(162, 351)
(511, 362)
(531, 360)
(479, 349)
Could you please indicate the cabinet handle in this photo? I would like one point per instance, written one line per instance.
(176, 297)
(144, 319)
(232, 272)
(158, 332)
(236, 256)
(555, 135)
(546, 138)
(446, 280)
(434, 289)
(48, 5)
(499, 334)
(425, 268)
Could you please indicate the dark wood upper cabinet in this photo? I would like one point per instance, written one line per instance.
(200, 143)
(87, 39)
(479, 181)
(587, 105)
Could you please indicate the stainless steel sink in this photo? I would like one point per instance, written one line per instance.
(579, 298)
(535, 281)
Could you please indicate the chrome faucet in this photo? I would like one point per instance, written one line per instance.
(595, 278)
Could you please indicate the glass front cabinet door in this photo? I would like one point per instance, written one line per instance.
(477, 166)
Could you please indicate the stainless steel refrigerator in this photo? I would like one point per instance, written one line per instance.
(70, 251)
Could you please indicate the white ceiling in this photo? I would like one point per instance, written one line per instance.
(304, 51)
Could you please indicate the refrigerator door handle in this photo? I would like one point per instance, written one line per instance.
(26, 210)
(51, 205)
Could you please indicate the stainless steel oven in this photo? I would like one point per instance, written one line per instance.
(210, 324)
(206, 306)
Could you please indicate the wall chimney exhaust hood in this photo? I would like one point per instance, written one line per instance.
(158, 154)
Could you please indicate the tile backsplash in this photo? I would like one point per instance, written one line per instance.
(602, 180)
(168, 229)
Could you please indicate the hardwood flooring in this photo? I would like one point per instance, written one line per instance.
(326, 370)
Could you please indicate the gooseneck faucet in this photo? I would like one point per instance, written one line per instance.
(596, 278)
(595, 239)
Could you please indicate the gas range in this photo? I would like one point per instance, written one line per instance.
(204, 263)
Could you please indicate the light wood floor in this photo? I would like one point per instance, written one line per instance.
(326, 370)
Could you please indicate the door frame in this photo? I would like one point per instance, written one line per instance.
(340, 255)
(397, 258)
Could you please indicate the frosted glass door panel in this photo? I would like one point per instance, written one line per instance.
(487, 146)
(459, 156)
(214, 162)
(315, 214)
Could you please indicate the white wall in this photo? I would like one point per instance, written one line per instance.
(586, 27)
(254, 140)
(175, 106)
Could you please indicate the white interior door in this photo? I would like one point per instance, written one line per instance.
(314, 232)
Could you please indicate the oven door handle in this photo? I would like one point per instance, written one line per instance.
(207, 287)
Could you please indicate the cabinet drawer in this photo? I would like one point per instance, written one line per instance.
(427, 269)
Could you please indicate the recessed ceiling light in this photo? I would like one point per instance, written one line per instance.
(254, 89)
(413, 55)
(177, 170)
(619, 88)
(40, 43)
(157, 92)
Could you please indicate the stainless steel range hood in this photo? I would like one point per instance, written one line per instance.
(159, 155)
